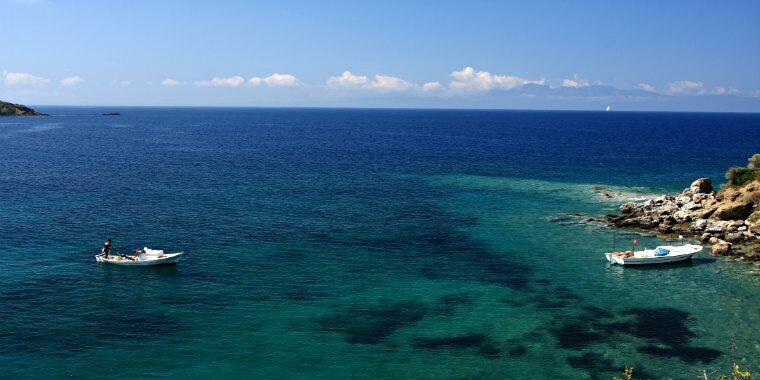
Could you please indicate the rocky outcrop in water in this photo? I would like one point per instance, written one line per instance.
(728, 219)
(10, 109)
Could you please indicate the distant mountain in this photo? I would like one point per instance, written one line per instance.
(10, 109)
(592, 91)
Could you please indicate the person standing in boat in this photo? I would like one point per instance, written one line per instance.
(107, 247)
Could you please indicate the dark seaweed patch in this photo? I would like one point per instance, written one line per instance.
(517, 351)
(546, 298)
(665, 329)
(576, 335)
(544, 302)
(372, 325)
(663, 325)
(463, 341)
(480, 342)
(593, 363)
(685, 353)
(597, 312)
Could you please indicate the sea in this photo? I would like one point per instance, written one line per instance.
(361, 243)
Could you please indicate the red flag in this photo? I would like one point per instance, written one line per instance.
(635, 242)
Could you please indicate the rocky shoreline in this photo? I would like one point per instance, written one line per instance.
(727, 219)
(10, 109)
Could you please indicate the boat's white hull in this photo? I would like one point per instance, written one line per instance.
(677, 254)
(648, 261)
(165, 259)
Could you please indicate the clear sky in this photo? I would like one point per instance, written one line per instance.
(675, 55)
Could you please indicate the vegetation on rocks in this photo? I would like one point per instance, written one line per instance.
(740, 175)
(10, 109)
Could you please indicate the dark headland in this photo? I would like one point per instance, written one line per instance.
(10, 109)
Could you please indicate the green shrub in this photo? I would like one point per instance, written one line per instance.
(627, 374)
(754, 162)
(740, 175)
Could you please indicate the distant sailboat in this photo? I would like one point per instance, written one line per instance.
(608, 109)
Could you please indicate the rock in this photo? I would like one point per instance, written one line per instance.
(742, 228)
(682, 200)
(734, 237)
(700, 224)
(691, 206)
(701, 186)
(665, 228)
(713, 240)
(752, 256)
(646, 222)
(699, 198)
(721, 248)
(706, 212)
(627, 207)
(682, 216)
(714, 229)
(705, 237)
(754, 218)
(667, 209)
(740, 209)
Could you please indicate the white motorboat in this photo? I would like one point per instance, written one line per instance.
(660, 255)
(144, 257)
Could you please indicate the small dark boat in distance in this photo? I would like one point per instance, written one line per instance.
(111, 114)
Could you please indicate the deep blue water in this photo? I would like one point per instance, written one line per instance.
(358, 243)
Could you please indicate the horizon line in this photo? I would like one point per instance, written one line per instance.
(401, 108)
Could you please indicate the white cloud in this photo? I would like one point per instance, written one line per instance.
(473, 80)
(431, 86)
(233, 81)
(576, 82)
(389, 83)
(278, 80)
(686, 87)
(169, 82)
(70, 81)
(383, 83)
(13, 79)
(725, 91)
(347, 79)
(123, 83)
(647, 87)
(255, 81)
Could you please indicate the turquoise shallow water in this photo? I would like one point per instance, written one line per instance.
(358, 243)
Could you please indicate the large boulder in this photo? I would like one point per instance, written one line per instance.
(734, 237)
(706, 211)
(721, 248)
(626, 208)
(752, 256)
(739, 209)
(682, 216)
(701, 186)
